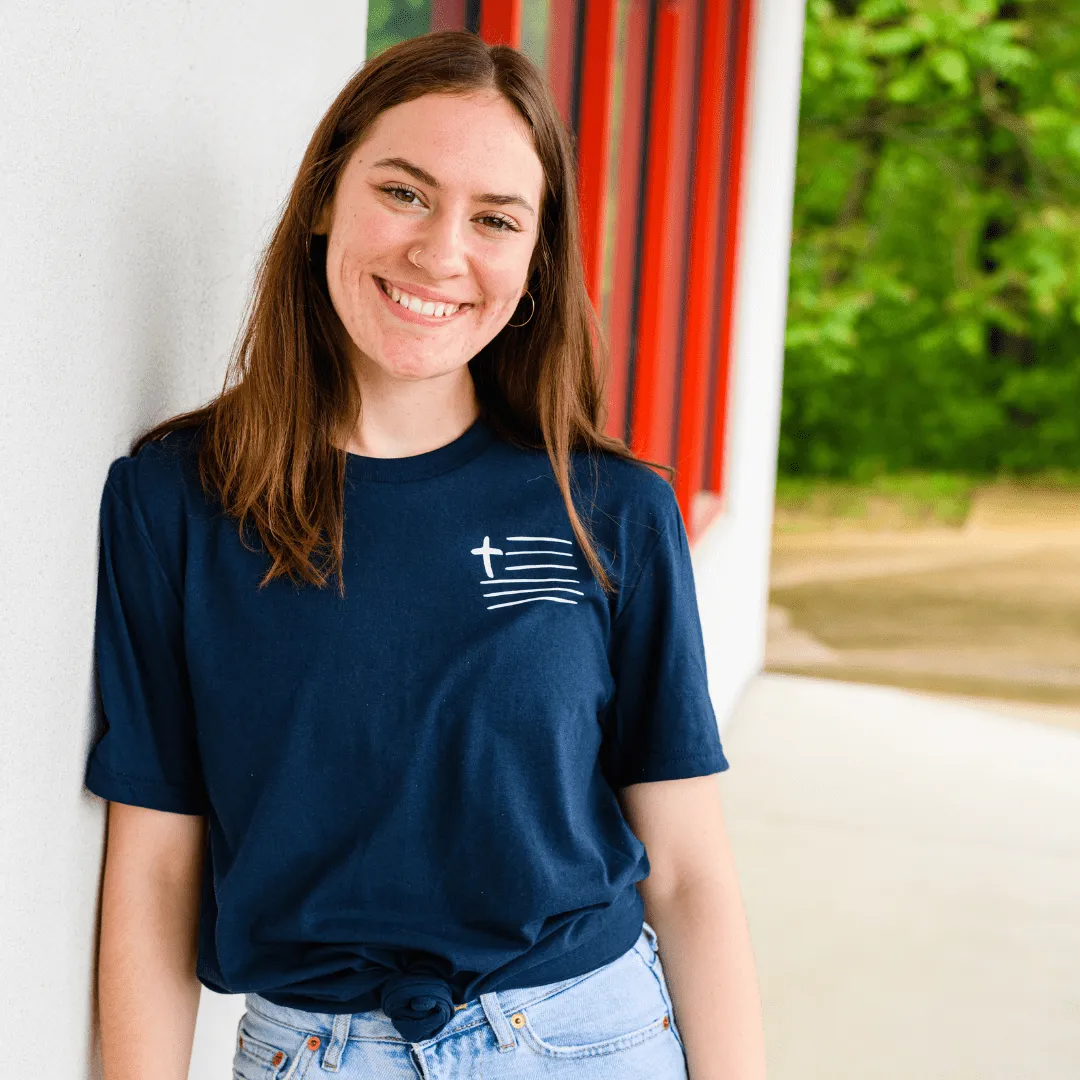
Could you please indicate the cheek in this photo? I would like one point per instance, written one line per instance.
(503, 277)
(365, 241)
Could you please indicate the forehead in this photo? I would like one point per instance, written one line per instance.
(477, 141)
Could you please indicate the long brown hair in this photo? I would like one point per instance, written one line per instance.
(272, 445)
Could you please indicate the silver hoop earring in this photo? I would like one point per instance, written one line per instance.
(412, 260)
(531, 313)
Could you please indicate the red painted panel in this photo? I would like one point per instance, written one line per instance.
(679, 222)
(703, 265)
(744, 16)
(447, 14)
(664, 233)
(500, 22)
(562, 40)
(621, 311)
(594, 135)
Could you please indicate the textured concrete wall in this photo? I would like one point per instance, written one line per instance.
(144, 151)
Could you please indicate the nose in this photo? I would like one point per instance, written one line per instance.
(443, 246)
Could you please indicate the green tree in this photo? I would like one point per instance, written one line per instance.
(391, 21)
(934, 314)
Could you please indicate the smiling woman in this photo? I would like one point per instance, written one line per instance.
(434, 207)
(423, 796)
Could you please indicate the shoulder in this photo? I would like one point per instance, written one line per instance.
(629, 508)
(628, 490)
(160, 469)
(158, 487)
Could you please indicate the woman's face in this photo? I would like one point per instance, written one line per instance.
(454, 182)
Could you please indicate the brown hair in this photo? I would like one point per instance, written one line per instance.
(272, 445)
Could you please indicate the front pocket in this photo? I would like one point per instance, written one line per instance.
(613, 1008)
(265, 1050)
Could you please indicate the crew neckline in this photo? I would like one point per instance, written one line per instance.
(452, 455)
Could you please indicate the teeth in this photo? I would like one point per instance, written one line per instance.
(413, 303)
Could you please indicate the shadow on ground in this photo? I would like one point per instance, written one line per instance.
(989, 610)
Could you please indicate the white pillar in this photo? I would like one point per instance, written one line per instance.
(731, 560)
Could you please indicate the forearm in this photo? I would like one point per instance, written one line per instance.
(148, 994)
(704, 947)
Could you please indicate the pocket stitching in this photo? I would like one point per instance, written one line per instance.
(658, 973)
(609, 1046)
(262, 1054)
(265, 1053)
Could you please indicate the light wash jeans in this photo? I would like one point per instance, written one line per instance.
(613, 1023)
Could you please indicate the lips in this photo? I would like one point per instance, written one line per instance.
(432, 307)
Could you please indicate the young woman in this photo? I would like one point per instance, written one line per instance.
(414, 647)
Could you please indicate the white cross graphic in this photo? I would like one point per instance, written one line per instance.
(487, 551)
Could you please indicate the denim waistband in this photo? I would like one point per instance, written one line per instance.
(493, 1008)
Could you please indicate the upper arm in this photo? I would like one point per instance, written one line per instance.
(681, 824)
(156, 845)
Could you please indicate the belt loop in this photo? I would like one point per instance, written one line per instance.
(338, 1038)
(650, 933)
(497, 1018)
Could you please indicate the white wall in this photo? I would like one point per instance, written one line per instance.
(731, 559)
(144, 151)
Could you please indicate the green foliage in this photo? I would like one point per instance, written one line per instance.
(934, 314)
(919, 498)
(391, 21)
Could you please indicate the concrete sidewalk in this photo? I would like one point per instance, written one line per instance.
(911, 869)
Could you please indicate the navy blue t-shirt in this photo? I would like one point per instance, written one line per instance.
(409, 791)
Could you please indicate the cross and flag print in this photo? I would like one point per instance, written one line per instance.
(545, 549)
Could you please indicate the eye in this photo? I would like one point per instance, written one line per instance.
(500, 223)
(401, 193)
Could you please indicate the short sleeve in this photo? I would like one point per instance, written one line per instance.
(661, 724)
(148, 754)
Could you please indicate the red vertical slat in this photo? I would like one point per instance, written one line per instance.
(703, 264)
(679, 220)
(741, 60)
(500, 22)
(562, 40)
(663, 238)
(447, 14)
(627, 201)
(594, 134)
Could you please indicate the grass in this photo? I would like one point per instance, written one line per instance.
(897, 500)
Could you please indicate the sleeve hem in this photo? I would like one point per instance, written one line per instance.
(150, 794)
(677, 768)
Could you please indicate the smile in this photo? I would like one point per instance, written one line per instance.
(417, 306)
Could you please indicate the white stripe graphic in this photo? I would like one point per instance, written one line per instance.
(519, 580)
(561, 554)
(511, 603)
(514, 592)
(553, 539)
(541, 566)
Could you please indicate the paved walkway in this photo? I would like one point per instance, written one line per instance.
(911, 869)
(975, 611)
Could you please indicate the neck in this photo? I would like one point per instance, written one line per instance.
(412, 417)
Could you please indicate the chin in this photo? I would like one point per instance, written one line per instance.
(408, 364)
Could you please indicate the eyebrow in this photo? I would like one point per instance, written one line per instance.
(417, 173)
